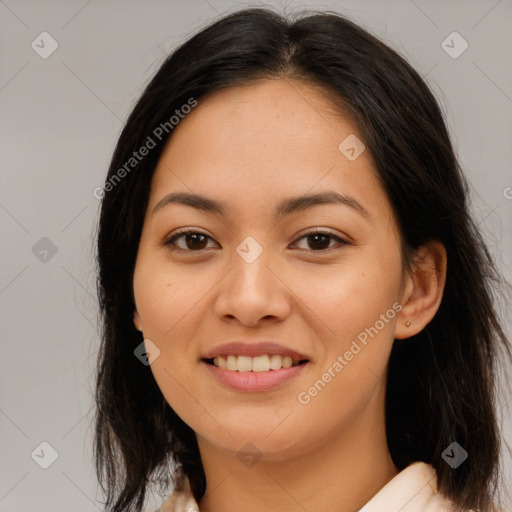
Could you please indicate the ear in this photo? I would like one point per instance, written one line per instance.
(136, 320)
(423, 289)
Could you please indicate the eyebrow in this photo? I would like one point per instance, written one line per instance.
(285, 207)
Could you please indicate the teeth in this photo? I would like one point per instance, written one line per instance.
(275, 362)
(220, 362)
(260, 364)
(255, 364)
(244, 364)
(232, 363)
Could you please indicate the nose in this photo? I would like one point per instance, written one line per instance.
(253, 290)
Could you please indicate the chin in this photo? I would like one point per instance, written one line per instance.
(261, 441)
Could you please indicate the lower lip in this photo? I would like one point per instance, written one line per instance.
(255, 381)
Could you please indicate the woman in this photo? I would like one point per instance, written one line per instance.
(297, 305)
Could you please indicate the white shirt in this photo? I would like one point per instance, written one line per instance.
(414, 489)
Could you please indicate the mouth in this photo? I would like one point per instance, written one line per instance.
(258, 364)
(254, 366)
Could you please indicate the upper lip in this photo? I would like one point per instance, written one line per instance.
(253, 349)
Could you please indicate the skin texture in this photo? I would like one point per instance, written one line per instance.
(252, 146)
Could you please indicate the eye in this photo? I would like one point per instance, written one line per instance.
(195, 241)
(320, 240)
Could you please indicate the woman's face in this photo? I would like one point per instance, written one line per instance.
(252, 274)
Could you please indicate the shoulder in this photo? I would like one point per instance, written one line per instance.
(414, 489)
(180, 501)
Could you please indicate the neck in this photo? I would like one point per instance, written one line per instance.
(342, 474)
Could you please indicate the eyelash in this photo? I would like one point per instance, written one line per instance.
(187, 231)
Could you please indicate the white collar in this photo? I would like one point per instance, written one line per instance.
(414, 489)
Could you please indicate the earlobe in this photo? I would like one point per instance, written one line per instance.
(424, 290)
(136, 320)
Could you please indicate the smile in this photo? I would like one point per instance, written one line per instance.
(263, 363)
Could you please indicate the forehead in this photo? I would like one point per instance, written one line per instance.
(270, 117)
(265, 141)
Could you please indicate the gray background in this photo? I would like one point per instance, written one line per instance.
(61, 117)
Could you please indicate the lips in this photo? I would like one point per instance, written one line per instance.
(256, 366)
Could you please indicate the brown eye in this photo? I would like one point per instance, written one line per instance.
(320, 240)
(193, 240)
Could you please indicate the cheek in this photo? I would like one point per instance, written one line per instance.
(169, 305)
(345, 298)
(165, 297)
(357, 305)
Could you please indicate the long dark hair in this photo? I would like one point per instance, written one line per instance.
(441, 382)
